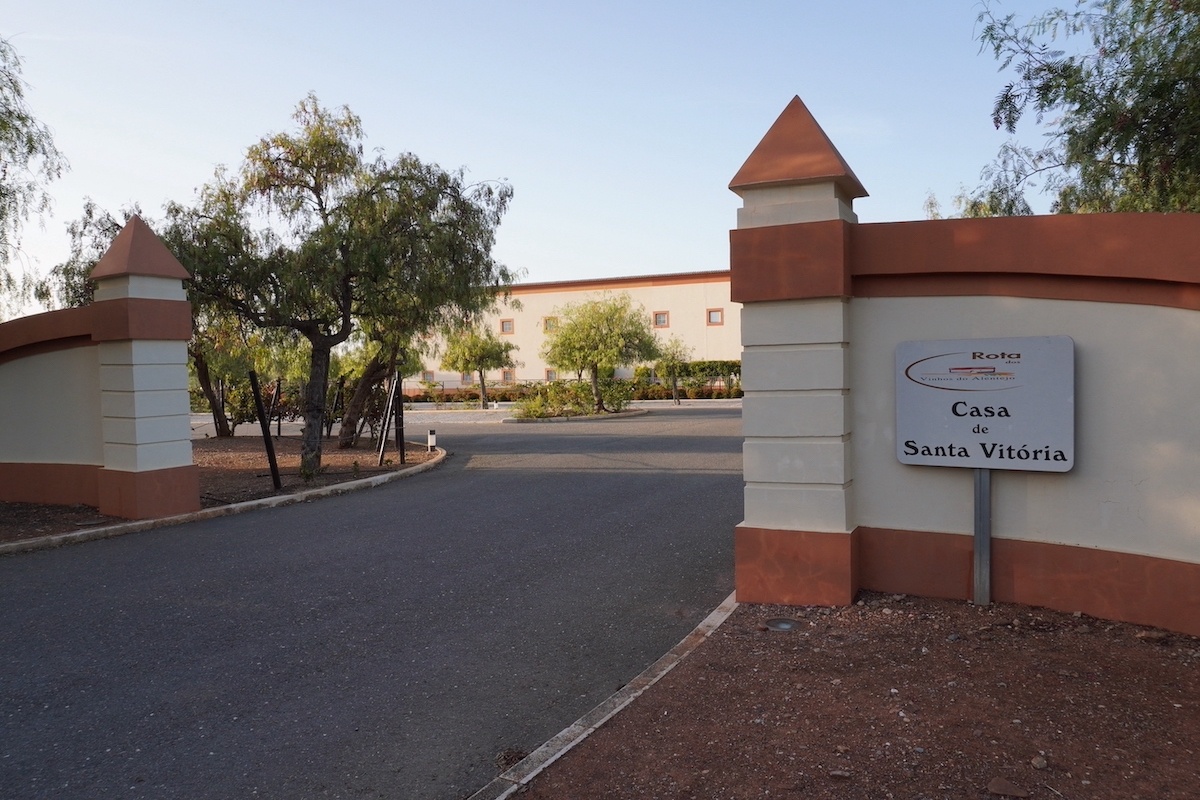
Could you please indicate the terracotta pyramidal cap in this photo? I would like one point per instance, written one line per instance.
(138, 251)
(795, 151)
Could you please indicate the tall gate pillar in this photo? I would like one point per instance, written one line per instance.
(789, 269)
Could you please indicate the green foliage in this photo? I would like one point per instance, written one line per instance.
(653, 391)
(556, 399)
(28, 161)
(599, 336)
(672, 358)
(572, 398)
(474, 348)
(616, 393)
(313, 237)
(713, 370)
(239, 403)
(1122, 108)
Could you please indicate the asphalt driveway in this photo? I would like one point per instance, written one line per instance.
(383, 644)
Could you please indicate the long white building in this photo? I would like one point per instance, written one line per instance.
(694, 306)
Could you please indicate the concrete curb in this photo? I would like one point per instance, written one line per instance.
(120, 529)
(516, 778)
(633, 412)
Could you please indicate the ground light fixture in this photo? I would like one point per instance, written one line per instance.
(781, 624)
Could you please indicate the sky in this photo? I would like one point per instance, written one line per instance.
(618, 124)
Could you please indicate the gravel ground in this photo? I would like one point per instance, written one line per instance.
(904, 697)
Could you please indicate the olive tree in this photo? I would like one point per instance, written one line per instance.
(598, 335)
(312, 236)
(474, 348)
(672, 357)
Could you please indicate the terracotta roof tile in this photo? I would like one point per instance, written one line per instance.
(796, 151)
(138, 251)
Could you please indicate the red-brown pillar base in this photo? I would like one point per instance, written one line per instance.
(811, 568)
(148, 495)
(799, 568)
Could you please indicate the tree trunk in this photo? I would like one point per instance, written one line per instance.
(220, 421)
(675, 388)
(482, 390)
(595, 370)
(373, 374)
(314, 408)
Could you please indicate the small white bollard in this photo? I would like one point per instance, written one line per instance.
(432, 440)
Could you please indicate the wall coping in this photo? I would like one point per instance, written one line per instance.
(1149, 259)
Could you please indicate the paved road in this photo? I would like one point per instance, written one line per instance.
(384, 644)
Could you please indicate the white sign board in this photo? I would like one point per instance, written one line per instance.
(987, 403)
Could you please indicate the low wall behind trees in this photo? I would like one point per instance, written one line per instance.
(94, 399)
(829, 508)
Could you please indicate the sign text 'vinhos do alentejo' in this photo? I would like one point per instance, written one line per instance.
(987, 403)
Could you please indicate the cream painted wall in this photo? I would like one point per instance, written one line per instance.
(686, 304)
(1135, 487)
(50, 410)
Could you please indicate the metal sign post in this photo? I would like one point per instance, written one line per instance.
(982, 595)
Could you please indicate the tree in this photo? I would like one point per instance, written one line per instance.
(474, 348)
(28, 160)
(601, 335)
(69, 285)
(343, 241)
(671, 358)
(1123, 110)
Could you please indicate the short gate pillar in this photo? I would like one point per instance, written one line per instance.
(143, 324)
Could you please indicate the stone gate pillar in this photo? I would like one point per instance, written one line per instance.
(143, 322)
(789, 269)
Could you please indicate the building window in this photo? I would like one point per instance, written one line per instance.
(466, 377)
(716, 316)
(427, 376)
(551, 375)
(662, 319)
(506, 326)
(508, 376)
(550, 324)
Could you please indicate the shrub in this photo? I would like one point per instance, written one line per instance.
(556, 399)
(616, 393)
(654, 391)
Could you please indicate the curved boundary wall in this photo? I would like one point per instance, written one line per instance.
(829, 510)
(94, 399)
